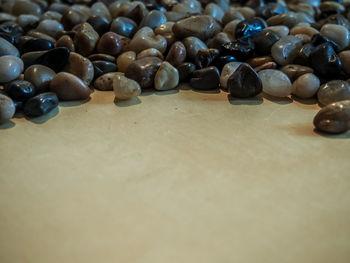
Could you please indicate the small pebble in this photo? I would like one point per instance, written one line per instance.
(267, 65)
(344, 57)
(125, 88)
(264, 41)
(7, 108)
(325, 61)
(38, 44)
(193, 45)
(285, 50)
(110, 44)
(294, 71)
(250, 27)
(125, 59)
(227, 71)
(153, 19)
(69, 87)
(150, 52)
(242, 48)
(205, 79)
(81, 67)
(85, 39)
(55, 58)
(20, 90)
(167, 77)
(339, 34)
(333, 91)
(102, 67)
(185, 71)
(10, 67)
(334, 118)
(306, 86)
(205, 57)
(49, 27)
(124, 26)
(40, 104)
(7, 49)
(275, 83)
(67, 42)
(105, 81)
(40, 76)
(176, 54)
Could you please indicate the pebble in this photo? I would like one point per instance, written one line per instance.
(150, 52)
(258, 61)
(339, 34)
(7, 108)
(110, 44)
(123, 26)
(28, 21)
(193, 45)
(40, 104)
(303, 55)
(185, 71)
(334, 118)
(100, 9)
(307, 30)
(202, 27)
(73, 17)
(275, 83)
(306, 86)
(145, 38)
(167, 77)
(105, 81)
(104, 57)
(102, 67)
(264, 41)
(205, 57)
(66, 41)
(214, 11)
(177, 54)
(344, 57)
(143, 71)
(40, 76)
(7, 49)
(242, 48)
(55, 58)
(25, 7)
(205, 79)
(267, 65)
(294, 71)
(166, 31)
(99, 24)
(49, 27)
(36, 34)
(69, 87)
(325, 61)
(85, 39)
(81, 67)
(286, 49)
(38, 44)
(125, 88)
(230, 28)
(281, 31)
(249, 27)
(227, 71)
(10, 67)
(244, 82)
(153, 19)
(219, 39)
(221, 61)
(125, 59)
(20, 90)
(333, 91)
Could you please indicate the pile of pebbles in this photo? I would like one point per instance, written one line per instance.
(60, 50)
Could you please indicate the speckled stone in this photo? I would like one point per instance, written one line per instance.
(333, 91)
(80, 66)
(105, 81)
(167, 77)
(306, 86)
(40, 76)
(125, 88)
(7, 108)
(334, 118)
(275, 83)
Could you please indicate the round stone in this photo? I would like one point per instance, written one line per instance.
(81, 67)
(286, 49)
(40, 104)
(69, 87)
(123, 26)
(306, 86)
(125, 59)
(339, 34)
(294, 71)
(49, 27)
(176, 54)
(20, 90)
(150, 52)
(281, 31)
(333, 91)
(334, 118)
(36, 45)
(10, 67)
(66, 41)
(7, 49)
(99, 24)
(85, 39)
(7, 108)
(153, 19)
(25, 7)
(167, 77)
(125, 88)
(105, 81)
(40, 76)
(109, 43)
(275, 83)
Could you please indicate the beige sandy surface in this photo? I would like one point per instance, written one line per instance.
(179, 177)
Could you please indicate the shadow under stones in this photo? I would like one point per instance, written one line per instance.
(213, 91)
(257, 100)
(345, 135)
(73, 103)
(277, 100)
(44, 118)
(127, 103)
(310, 101)
(7, 125)
(166, 92)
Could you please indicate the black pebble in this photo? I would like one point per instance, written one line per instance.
(325, 61)
(11, 31)
(20, 90)
(242, 48)
(99, 24)
(244, 82)
(271, 9)
(303, 55)
(185, 71)
(40, 104)
(205, 79)
(36, 45)
(205, 57)
(319, 39)
(102, 67)
(264, 41)
(221, 61)
(55, 58)
(250, 27)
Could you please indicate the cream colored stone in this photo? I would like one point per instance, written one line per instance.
(105, 82)
(167, 77)
(306, 86)
(145, 38)
(125, 88)
(275, 83)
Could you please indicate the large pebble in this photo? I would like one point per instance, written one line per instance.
(205, 79)
(55, 58)
(306, 86)
(244, 82)
(102, 67)
(143, 71)
(334, 118)
(109, 43)
(7, 108)
(145, 38)
(85, 39)
(325, 61)
(176, 54)
(333, 91)
(227, 71)
(339, 34)
(125, 59)
(185, 70)
(7, 49)
(69, 87)
(275, 83)
(40, 104)
(80, 66)
(40, 76)
(153, 19)
(345, 60)
(26, 7)
(20, 90)
(49, 27)
(124, 26)
(167, 77)
(286, 49)
(193, 45)
(36, 45)
(105, 81)
(203, 27)
(264, 41)
(125, 88)
(150, 52)
(10, 67)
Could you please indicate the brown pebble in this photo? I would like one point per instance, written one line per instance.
(267, 65)
(40, 76)
(65, 41)
(110, 44)
(80, 66)
(176, 54)
(258, 61)
(150, 52)
(294, 71)
(105, 82)
(85, 39)
(104, 57)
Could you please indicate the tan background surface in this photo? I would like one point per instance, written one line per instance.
(176, 177)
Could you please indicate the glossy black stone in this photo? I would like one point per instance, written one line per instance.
(334, 19)
(99, 24)
(319, 39)
(55, 58)
(303, 55)
(205, 79)
(325, 61)
(205, 57)
(11, 31)
(250, 27)
(36, 45)
(20, 90)
(102, 67)
(19, 105)
(242, 48)
(185, 71)
(271, 9)
(221, 61)
(244, 82)
(264, 41)
(40, 104)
